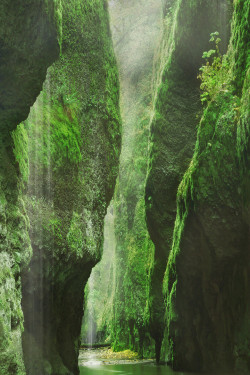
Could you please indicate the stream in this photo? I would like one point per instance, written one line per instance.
(99, 361)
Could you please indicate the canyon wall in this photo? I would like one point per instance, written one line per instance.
(177, 111)
(203, 244)
(58, 170)
(29, 42)
(182, 277)
(207, 277)
(123, 320)
(189, 320)
(136, 28)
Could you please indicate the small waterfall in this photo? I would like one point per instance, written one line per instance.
(100, 289)
(34, 281)
(39, 191)
(99, 295)
(48, 103)
(91, 334)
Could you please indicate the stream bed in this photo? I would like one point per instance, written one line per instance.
(101, 361)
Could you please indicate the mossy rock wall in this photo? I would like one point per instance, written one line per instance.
(139, 25)
(29, 43)
(68, 152)
(30, 37)
(123, 320)
(207, 278)
(177, 110)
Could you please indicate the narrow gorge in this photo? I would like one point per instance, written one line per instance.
(124, 187)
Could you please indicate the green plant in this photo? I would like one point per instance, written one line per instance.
(209, 73)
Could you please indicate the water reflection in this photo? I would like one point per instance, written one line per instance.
(102, 361)
(133, 369)
(99, 368)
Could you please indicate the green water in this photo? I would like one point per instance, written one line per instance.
(129, 369)
(96, 362)
(135, 369)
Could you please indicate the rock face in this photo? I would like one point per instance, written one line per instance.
(135, 47)
(124, 316)
(29, 43)
(57, 173)
(72, 145)
(177, 109)
(207, 277)
(206, 284)
(58, 170)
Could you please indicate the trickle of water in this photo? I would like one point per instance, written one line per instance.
(100, 288)
(48, 174)
(90, 319)
(38, 190)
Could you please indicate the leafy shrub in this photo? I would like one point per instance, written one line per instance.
(212, 74)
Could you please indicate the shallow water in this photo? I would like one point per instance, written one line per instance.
(128, 369)
(95, 362)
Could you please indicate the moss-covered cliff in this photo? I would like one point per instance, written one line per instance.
(57, 171)
(123, 319)
(140, 306)
(68, 151)
(187, 286)
(135, 46)
(29, 43)
(177, 110)
(207, 277)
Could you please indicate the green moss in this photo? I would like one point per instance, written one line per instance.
(125, 323)
(239, 49)
(67, 152)
(21, 151)
(214, 181)
(11, 321)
